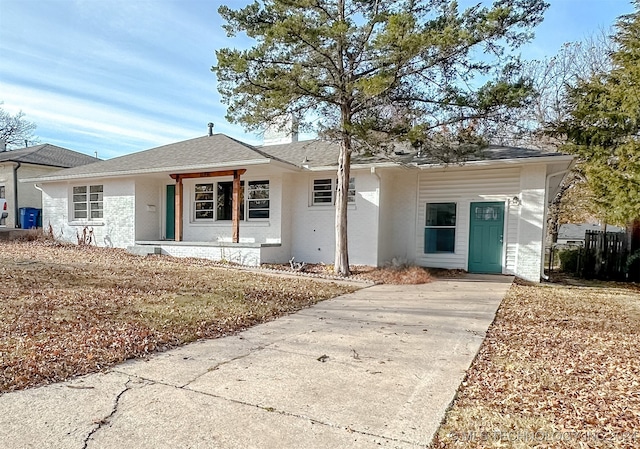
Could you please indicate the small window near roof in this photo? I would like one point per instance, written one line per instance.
(324, 191)
(440, 228)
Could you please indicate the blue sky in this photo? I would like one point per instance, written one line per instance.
(117, 76)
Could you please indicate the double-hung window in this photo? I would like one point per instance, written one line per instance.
(324, 191)
(87, 202)
(204, 201)
(440, 228)
(258, 199)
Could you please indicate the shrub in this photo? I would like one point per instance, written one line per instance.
(569, 259)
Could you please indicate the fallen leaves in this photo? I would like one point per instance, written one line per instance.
(70, 310)
(378, 275)
(558, 368)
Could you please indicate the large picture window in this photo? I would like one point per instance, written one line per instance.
(87, 202)
(225, 201)
(440, 228)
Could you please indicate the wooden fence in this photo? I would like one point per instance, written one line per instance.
(605, 255)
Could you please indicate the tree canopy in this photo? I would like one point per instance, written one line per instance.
(368, 72)
(603, 126)
(14, 129)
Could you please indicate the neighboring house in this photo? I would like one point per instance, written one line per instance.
(484, 216)
(30, 162)
(573, 234)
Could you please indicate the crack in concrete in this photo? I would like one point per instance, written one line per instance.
(99, 424)
(218, 365)
(267, 409)
(308, 418)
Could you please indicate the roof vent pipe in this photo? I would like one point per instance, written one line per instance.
(210, 125)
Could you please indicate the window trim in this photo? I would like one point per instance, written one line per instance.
(454, 227)
(88, 201)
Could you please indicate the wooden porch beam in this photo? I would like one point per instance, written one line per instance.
(235, 205)
(178, 210)
(208, 174)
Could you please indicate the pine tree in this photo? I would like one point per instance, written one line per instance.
(369, 72)
(603, 127)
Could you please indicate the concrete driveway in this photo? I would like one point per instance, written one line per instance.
(375, 368)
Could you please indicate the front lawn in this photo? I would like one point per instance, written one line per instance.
(560, 368)
(69, 310)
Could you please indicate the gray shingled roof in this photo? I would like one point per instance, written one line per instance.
(219, 150)
(313, 153)
(47, 154)
(194, 154)
(317, 153)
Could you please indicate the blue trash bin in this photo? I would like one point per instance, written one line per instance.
(28, 217)
(39, 219)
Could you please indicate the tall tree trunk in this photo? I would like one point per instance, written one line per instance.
(341, 264)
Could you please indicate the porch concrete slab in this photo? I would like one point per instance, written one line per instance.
(374, 368)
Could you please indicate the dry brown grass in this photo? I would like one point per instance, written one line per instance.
(559, 369)
(67, 310)
(392, 275)
(378, 275)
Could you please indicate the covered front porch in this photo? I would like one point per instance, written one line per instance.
(179, 199)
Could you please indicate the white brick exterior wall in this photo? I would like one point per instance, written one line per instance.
(149, 209)
(313, 227)
(530, 249)
(115, 229)
(397, 216)
(244, 256)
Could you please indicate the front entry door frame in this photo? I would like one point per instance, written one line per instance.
(486, 237)
(170, 212)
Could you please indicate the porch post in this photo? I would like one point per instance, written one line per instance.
(178, 211)
(235, 205)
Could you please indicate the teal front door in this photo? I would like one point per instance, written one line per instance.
(486, 234)
(170, 219)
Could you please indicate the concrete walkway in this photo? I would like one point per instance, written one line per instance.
(376, 368)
